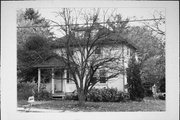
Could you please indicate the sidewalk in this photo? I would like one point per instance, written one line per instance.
(20, 109)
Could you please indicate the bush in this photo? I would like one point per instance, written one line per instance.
(27, 89)
(43, 95)
(73, 96)
(161, 96)
(101, 95)
(148, 93)
(105, 95)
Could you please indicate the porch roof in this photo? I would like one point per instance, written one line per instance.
(52, 62)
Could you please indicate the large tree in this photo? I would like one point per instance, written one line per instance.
(82, 41)
(34, 37)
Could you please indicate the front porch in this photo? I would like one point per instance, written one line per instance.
(59, 84)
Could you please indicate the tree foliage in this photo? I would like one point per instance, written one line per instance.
(151, 51)
(25, 22)
(34, 51)
(33, 43)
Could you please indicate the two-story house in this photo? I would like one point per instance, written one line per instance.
(113, 45)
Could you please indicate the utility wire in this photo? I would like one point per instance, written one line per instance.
(91, 23)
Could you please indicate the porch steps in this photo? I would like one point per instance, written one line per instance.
(58, 96)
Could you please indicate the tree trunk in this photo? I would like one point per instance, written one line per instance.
(82, 97)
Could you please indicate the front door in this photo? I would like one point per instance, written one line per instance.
(58, 86)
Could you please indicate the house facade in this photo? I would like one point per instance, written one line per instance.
(111, 46)
(62, 82)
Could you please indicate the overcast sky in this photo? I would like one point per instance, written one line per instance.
(131, 13)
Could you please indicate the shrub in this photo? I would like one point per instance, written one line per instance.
(73, 96)
(95, 95)
(43, 95)
(105, 95)
(148, 93)
(161, 96)
(27, 89)
(102, 95)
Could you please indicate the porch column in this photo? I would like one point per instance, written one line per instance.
(125, 83)
(52, 84)
(39, 78)
(123, 67)
(64, 80)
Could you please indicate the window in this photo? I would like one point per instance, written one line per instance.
(98, 50)
(67, 76)
(93, 79)
(128, 51)
(102, 74)
(71, 52)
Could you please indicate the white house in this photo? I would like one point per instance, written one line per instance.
(114, 45)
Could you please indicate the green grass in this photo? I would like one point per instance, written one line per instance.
(146, 105)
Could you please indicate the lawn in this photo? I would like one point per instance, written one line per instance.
(145, 105)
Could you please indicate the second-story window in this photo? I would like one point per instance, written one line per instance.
(98, 50)
(68, 76)
(128, 52)
(102, 74)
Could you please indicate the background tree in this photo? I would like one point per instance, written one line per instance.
(84, 40)
(157, 26)
(135, 87)
(25, 22)
(34, 51)
(33, 43)
(150, 39)
(151, 52)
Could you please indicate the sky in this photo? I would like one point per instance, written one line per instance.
(131, 13)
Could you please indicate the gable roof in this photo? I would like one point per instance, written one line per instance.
(112, 38)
